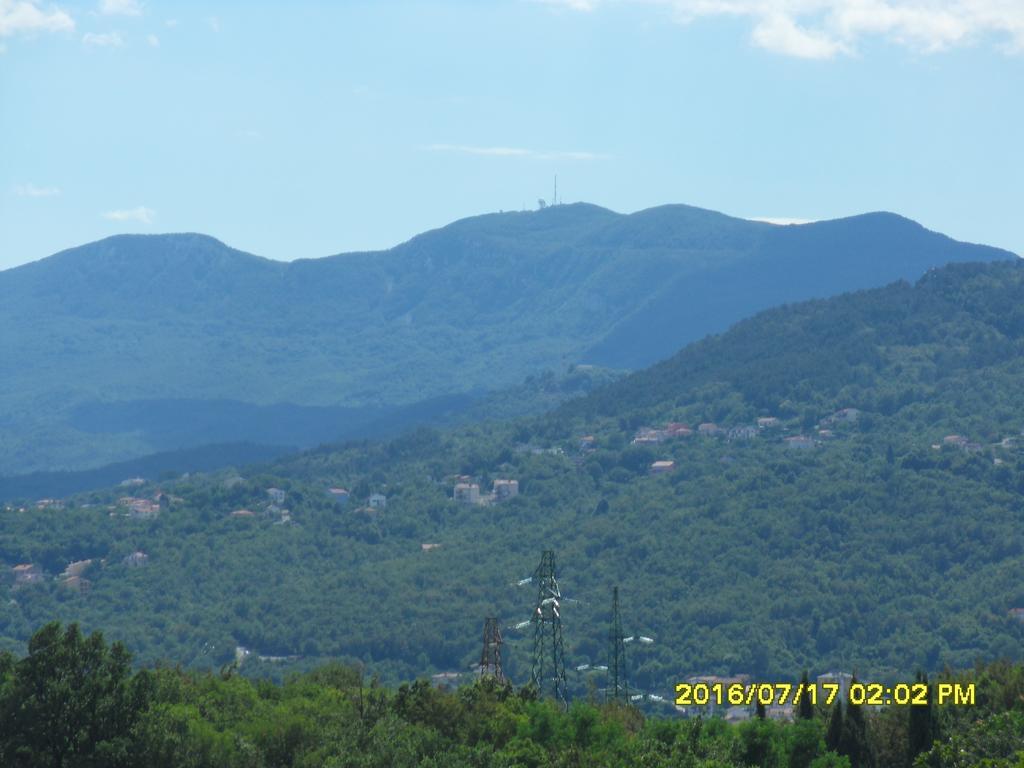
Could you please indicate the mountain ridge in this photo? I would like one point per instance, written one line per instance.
(475, 306)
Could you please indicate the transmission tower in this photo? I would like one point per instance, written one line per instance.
(618, 687)
(490, 657)
(548, 652)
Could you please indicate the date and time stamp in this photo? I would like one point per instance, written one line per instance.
(781, 694)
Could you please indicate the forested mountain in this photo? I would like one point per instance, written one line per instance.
(124, 347)
(870, 520)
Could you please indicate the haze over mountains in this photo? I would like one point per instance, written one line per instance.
(856, 504)
(138, 344)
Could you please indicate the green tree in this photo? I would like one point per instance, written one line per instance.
(921, 726)
(853, 739)
(833, 736)
(71, 701)
(805, 709)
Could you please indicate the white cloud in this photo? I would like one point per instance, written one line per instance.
(153, 41)
(822, 29)
(514, 152)
(26, 17)
(214, 23)
(31, 190)
(120, 8)
(141, 214)
(102, 40)
(171, 23)
(780, 34)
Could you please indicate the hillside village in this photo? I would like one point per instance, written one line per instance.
(466, 489)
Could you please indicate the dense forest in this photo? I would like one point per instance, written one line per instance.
(73, 701)
(869, 522)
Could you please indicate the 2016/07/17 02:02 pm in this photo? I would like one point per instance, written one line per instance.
(869, 694)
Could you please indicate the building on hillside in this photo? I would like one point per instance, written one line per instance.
(1017, 613)
(505, 489)
(276, 495)
(767, 422)
(340, 495)
(136, 559)
(429, 547)
(662, 467)
(133, 482)
(140, 509)
(77, 583)
(446, 678)
(587, 443)
(678, 429)
(75, 568)
(709, 429)
(842, 679)
(648, 436)
(73, 576)
(49, 504)
(466, 493)
(742, 433)
(377, 501)
(27, 573)
(243, 513)
(956, 441)
(844, 415)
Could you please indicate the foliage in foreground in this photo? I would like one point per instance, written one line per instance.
(74, 701)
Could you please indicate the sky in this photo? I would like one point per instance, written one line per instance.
(299, 130)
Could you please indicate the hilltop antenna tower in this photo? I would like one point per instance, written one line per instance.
(548, 650)
(490, 657)
(554, 197)
(618, 689)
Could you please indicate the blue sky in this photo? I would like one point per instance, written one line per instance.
(296, 130)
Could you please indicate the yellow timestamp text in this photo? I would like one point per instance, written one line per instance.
(867, 694)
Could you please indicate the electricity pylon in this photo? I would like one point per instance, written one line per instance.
(618, 686)
(490, 657)
(548, 670)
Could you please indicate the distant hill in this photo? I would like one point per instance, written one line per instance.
(869, 522)
(473, 307)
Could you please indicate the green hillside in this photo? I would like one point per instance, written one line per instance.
(882, 547)
(154, 332)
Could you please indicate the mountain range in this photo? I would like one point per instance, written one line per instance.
(139, 344)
